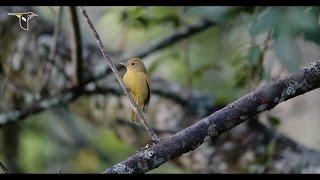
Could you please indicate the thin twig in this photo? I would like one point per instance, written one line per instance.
(3, 167)
(76, 44)
(134, 105)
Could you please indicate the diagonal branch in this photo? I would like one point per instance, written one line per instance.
(168, 41)
(106, 56)
(271, 133)
(256, 132)
(212, 126)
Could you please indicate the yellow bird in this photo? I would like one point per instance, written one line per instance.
(137, 81)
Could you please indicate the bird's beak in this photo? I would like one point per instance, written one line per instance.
(123, 63)
(35, 14)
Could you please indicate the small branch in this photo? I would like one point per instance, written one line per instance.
(70, 95)
(175, 37)
(40, 105)
(262, 99)
(76, 44)
(134, 105)
(229, 153)
(271, 133)
(167, 41)
(3, 167)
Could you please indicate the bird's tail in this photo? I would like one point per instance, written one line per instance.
(134, 118)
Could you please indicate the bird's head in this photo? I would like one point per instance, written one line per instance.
(134, 64)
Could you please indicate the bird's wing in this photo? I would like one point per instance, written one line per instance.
(146, 102)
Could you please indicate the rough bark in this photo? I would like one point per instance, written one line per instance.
(262, 99)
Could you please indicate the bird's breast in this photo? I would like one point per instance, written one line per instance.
(137, 83)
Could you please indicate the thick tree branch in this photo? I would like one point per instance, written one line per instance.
(215, 156)
(212, 126)
(106, 56)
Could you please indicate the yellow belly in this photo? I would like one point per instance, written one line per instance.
(137, 83)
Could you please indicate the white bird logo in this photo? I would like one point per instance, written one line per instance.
(23, 18)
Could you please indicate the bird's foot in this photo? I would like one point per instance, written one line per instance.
(146, 147)
(126, 89)
(155, 141)
(151, 143)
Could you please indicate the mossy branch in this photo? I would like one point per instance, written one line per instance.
(262, 99)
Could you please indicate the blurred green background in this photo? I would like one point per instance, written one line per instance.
(248, 47)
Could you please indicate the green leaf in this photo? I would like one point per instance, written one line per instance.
(300, 19)
(254, 55)
(215, 13)
(266, 20)
(273, 121)
(287, 51)
(313, 36)
(160, 12)
(218, 14)
(241, 78)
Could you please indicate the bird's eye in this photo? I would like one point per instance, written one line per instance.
(132, 63)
